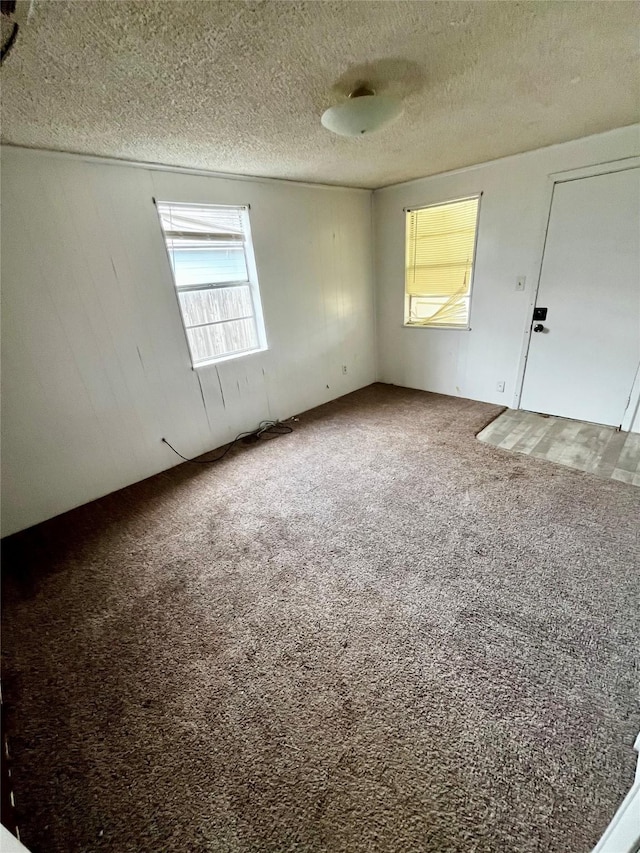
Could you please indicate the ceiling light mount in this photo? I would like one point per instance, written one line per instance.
(362, 113)
(362, 92)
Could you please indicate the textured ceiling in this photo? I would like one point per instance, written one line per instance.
(240, 87)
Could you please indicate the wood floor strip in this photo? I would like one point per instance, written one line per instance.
(599, 450)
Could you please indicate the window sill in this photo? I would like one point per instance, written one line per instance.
(428, 326)
(230, 357)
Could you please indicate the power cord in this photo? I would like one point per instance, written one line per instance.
(264, 428)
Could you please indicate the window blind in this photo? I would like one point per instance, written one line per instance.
(440, 243)
(184, 221)
(207, 249)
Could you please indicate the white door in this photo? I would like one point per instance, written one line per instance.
(583, 357)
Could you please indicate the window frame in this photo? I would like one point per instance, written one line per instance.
(407, 296)
(251, 282)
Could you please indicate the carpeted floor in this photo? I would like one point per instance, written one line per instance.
(374, 634)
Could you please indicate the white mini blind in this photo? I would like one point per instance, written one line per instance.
(206, 223)
(440, 244)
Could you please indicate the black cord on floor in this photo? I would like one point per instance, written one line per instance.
(264, 428)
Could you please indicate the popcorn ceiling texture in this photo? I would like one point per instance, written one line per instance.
(240, 87)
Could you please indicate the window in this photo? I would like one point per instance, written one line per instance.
(440, 247)
(211, 256)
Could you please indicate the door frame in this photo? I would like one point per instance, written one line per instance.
(553, 179)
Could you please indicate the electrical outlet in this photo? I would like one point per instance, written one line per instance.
(521, 282)
(500, 386)
(344, 368)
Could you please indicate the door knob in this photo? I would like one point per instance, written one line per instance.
(538, 327)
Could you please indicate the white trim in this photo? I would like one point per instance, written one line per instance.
(254, 280)
(623, 833)
(601, 169)
(243, 354)
(633, 404)
(528, 323)
(183, 170)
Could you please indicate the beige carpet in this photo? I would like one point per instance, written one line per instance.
(374, 634)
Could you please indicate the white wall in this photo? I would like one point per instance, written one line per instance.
(513, 216)
(95, 363)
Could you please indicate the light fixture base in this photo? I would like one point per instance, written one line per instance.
(361, 92)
